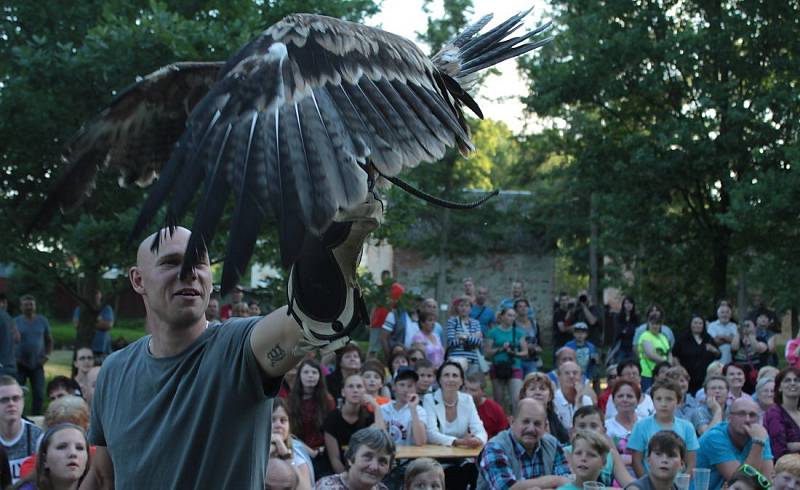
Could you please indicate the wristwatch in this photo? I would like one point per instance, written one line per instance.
(762, 442)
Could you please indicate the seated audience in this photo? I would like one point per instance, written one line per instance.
(62, 386)
(453, 421)
(562, 355)
(748, 347)
(631, 371)
(281, 476)
(764, 394)
(539, 387)
(712, 410)
(348, 361)
(374, 374)
(687, 405)
(464, 335)
(405, 419)
(506, 347)
(425, 474)
(427, 378)
(353, 415)
(787, 473)
(524, 453)
(590, 419)
(370, 457)
(626, 396)
(309, 401)
(492, 416)
(666, 457)
(427, 340)
(284, 446)
(19, 437)
(781, 419)
(62, 460)
(724, 447)
(713, 369)
(665, 397)
(571, 393)
(587, 459)
(748, 478)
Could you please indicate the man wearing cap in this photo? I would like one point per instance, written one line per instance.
(405, 418)
(586, 354)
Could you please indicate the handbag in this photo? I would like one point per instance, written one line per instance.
(505, 369)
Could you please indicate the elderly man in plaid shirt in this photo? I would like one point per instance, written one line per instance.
(525, 455)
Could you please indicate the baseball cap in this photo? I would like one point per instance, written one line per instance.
(581, 326)
(406, 372)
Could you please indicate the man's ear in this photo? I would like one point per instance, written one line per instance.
(135, 277)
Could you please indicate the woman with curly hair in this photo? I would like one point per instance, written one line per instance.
(309, 402)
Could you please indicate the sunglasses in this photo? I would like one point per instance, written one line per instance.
(748, 470)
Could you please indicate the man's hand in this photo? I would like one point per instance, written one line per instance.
(712, 404)
(756, 431)
(469, 441)
(413, 401)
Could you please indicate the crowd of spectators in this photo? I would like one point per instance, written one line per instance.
(709, 398)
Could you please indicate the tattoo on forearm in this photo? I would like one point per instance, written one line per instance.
(276, 355)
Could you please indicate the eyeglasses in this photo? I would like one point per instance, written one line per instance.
(748, 470)
(7, 399)
(752, 415)
(86, 358)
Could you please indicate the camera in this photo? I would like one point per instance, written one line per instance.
(583, 298)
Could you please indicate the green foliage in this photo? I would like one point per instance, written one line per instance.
(680, 119)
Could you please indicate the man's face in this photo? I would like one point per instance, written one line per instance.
(569, 374)
(516, 289)
(631, 374)
(724, 314)
(469, 287)
(591, 423)
(563, 302)
(173, 301)
(482, 295)
(762, 321)
(212, 311)
(566, 355)
(474, 390)
(744, 412)
(426, 379)
(530, 424)
(11, 403)
(28, 307)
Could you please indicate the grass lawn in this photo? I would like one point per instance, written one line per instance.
(64, 332)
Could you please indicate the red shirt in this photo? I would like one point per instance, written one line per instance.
(493, 417)
(602, 402)
(309, 432)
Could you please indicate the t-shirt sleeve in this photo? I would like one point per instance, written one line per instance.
(238, 356)
(689, 436)
(388, 324)
(97, 436)
(636, 441)
(107, 313)
(718, 449)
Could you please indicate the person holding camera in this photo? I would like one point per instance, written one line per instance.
(505, 346)
(584, 311)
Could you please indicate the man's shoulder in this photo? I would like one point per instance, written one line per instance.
(716, 434)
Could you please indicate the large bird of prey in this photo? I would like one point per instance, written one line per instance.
(299, 123)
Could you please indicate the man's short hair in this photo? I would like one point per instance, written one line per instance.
(63, 383)
(6, 380)
(595, 440)
(26, 297)
(561, 351)
(667, 442)
(586, 411)
(669, 385)
(660, 367)
(424, 363)
(349, 347)
(789, 463)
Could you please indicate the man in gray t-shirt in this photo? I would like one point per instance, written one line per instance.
(34, 346)
(189, 405)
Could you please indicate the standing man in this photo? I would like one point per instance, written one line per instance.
(34, 347)
(19, 437)
(9, 336)
(189, 406)
(584, 311)
(481, 311)
(562, 331)
(723, 331)
(517, 292)
(742, 439)
(101, 342)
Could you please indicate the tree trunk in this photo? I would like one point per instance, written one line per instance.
(720, 247)
(88, 309)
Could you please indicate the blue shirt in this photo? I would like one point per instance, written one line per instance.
(584, 355)
(647, 427)
(485, 316)
(101, 343)
(32, 349)
(717, 447)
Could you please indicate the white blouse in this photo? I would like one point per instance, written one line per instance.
(467, 421)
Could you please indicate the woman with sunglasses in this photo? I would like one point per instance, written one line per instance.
(782, 420)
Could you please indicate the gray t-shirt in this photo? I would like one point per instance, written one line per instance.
(8, 360)
(201, 419)
(32, 349)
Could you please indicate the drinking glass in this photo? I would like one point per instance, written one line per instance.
(682, 481)
(700, 478)
(593, 485)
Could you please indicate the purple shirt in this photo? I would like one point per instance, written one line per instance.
(782, 430)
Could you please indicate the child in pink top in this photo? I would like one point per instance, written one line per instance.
(793, 352)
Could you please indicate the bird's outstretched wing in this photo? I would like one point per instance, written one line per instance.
(298, 118)
(135, 133)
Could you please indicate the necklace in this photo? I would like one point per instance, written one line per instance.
(450, 405)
